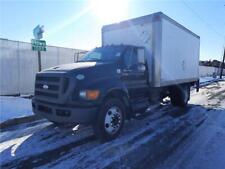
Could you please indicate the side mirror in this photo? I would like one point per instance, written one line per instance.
(141, 67)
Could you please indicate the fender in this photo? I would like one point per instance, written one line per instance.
(107, 85)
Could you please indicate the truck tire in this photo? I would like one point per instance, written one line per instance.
(110, 119)
(180, 95)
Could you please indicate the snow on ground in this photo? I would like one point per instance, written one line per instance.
(205, 149)
(212, 95)
(45, 146)
(14, 107)
(41, 144)
(209, 79)
(206, 79)
(36, 139)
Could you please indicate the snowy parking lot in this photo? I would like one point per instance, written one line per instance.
(14, 107)
(109, 84)
(205, 148)
(40, 144)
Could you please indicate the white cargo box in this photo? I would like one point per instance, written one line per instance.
(172, 51)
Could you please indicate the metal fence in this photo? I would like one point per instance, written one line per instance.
(18, 64)
(209, 71)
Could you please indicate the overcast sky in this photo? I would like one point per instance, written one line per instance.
(77, 23)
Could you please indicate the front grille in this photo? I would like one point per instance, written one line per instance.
(65, 84)
(51, 87)
(48, 87)
(47, 79)
(38, 93)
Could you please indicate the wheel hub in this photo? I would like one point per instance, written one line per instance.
(113, 120)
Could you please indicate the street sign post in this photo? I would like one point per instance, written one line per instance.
(38, 32)
(37, 44)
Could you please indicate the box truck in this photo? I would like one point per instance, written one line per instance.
(141, 61)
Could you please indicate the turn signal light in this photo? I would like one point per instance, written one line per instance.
(90, 94)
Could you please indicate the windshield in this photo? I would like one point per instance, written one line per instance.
(104, 54)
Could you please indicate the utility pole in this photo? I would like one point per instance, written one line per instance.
(222, 65)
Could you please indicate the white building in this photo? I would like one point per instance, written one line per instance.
(18, 64)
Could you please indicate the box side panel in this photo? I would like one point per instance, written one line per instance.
(179, 55)
(134, 34)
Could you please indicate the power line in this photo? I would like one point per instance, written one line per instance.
(203, 20)
(220, 35)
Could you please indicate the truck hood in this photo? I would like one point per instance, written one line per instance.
(72, 66)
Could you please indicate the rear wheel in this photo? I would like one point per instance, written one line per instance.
(180, 95)
(110, 119)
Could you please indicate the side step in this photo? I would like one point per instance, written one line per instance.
(139, 104)
(150, 110)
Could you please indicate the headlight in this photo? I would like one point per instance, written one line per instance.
(89, 94)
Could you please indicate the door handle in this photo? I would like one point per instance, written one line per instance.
(127, 70)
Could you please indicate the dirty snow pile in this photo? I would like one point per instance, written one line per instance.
(14, 107)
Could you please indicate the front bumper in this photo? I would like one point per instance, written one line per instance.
(64, 113)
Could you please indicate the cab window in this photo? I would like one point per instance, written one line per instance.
(130, 58)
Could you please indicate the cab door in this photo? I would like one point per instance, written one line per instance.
(134, 73)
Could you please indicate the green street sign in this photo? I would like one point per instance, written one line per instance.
(38, 45)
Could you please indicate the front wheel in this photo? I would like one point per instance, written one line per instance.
(110, 119)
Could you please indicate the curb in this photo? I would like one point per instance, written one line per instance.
(20, 120)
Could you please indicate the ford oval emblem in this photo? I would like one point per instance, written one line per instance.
(45, 86)
(80, 77)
